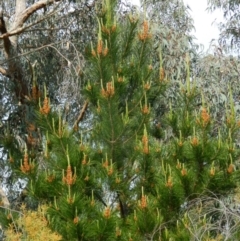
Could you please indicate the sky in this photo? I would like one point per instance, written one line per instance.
(205, 22)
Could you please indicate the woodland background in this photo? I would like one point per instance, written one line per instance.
(75, 72)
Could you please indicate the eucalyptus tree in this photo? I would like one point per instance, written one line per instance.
(230, 28)
(173, 27)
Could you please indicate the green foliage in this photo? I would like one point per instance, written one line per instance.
(132, 173)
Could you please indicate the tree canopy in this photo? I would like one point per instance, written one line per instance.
(230, 30)
(114, 126)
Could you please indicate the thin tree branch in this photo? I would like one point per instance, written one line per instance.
(81, 115)
(32, 51)
(20, 29)
(33, 8)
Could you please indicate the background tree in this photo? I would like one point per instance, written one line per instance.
(172, 25)
(229, 29)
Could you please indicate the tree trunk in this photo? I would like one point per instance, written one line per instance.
(14, 69)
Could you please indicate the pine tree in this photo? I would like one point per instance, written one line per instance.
(118, 176)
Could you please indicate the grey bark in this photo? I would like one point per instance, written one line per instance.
(10, 41)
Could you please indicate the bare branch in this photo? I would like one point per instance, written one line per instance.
(81, 115)
(32, 9)
(23, 17)
(22, 29)
(32, 51)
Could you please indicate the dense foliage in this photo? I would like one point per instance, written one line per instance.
(52, 46)
(49, 51)
(153, 152)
